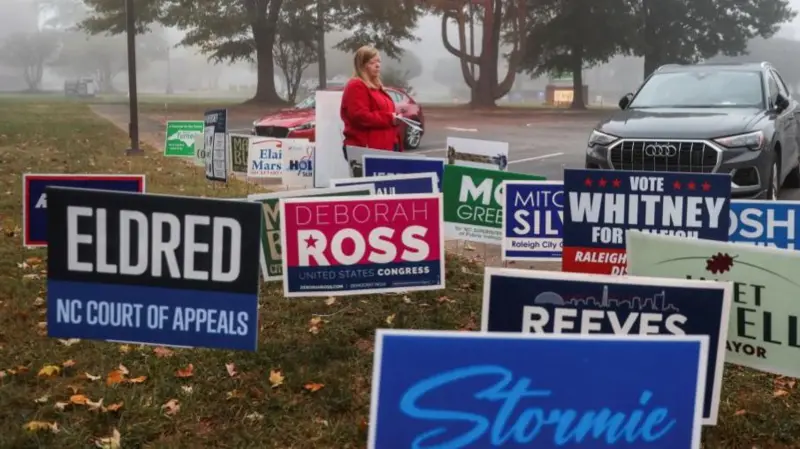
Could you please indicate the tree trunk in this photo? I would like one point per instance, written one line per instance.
(652, 47)
(264, 37)
(578, 102)
(483, 93)
(321, 60)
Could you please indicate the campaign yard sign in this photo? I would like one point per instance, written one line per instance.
(764, 327)
(359, 245)
(216, 140)
(488, 154)
(271, 250)
(34, 197)
(601, 205)
(298, 163)
(394, 184)
(180, 136)
(154, 269)
(391, 165)
(765, 223)
(265, 158)
(199, 150)
(533, 220)
(355, 158)
(473, 202)
(238, 149)
(531, 301)
(451, 389)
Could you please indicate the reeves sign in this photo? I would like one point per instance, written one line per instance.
(352, 245)
(152, 269)
(34, 197)
(549, 302)
(600, 205)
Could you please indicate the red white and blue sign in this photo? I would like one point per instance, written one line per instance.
(533, 220)
(600, 205)
(34, 199)
(394, 184)
(338, 246)
(471, 390)
(551, 302)
(766, 223)
(397, 165)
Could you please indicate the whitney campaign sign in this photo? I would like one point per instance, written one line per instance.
(765, 223)
(391, 165)
(394, 184)
(470, 390)
(549, 302)
(599, 206)
(34, 197)
(533, 220)
(155, 269)
(340, 246)
(764, 326)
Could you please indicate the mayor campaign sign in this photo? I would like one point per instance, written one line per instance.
(34, 197)
(391, 165)
(533, 220)
(531, 301)
(450, 389)
(764, 327)
(765, 223)
(394, 184)
(357, 245)
(153, 269)
(600, 205)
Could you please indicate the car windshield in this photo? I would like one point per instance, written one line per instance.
(698, 89)
(308, 103)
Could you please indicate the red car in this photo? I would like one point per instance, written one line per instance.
(298, 122)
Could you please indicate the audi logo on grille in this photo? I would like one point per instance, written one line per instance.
(654, 150)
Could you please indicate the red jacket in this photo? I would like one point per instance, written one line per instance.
(367, 115)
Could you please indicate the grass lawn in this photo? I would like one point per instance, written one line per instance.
(306, 387)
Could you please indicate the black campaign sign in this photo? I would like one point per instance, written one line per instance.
(154, 240)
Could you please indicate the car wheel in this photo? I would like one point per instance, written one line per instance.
(774, 183)
(793, 178)
(413, 138)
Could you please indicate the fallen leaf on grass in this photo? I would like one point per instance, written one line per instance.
(69, 363)
(315, 325)
(114, 407)
(187, 389)
(234, 394)
(38, 302)
(779, 393)
(74, 388)
(171, 407)
(185, 372)
(95, 406)
(35, 426)
(740, 412)
(469, 247)
(69, 342)
(231, 368)
(30, 277)
(33, 261)
(78, 399)
(163, 352)
(49, 370)
(275, 378)
(60, 406)
(406, 300)
(313, 386)
(90, 377)
(137, 380)
(111, 442)
(390, 319)
(330, 301)
(115, 377)
(124, 349)
(444, 299)
(255, 416)
(42, 399)
(123, 369)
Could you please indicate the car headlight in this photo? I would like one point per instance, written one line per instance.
(598, 138)
(753, 141)
(309, 125)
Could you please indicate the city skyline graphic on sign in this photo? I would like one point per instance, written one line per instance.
(656, 303)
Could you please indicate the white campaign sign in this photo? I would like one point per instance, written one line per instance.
(265, 157)
(298, 163)
(486, 154)
(329, 161)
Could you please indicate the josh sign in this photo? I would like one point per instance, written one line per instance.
(765, 223)
(600, 205)
(469, 390)
(533, 218)
(549, 302)
(34, 198)
(152, 269)
(351, 245)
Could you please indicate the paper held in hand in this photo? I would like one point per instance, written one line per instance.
(413, 124)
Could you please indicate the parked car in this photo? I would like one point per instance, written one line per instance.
(298, 122)
(707, 118)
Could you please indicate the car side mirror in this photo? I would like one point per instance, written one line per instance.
(781, 103)
(625, 101)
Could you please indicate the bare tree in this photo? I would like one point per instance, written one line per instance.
(29, 52)
(295, 47)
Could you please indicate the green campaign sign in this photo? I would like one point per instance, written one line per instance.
(180, 137)
(473, 202)
(271, 252)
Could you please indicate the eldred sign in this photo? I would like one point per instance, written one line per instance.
(215, 133)
(271, 250)
(353, 245)
(473, 202)
(764, 328)
(600, 205)
(765, 223)
(390, 165)
(530, 301)
(481, 390)
(34, 198)
(533, 220)
(394, 184)
(152, 269)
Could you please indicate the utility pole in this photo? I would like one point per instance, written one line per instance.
(133, 95)
(323, 74)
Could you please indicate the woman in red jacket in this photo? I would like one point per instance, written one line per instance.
(367, 109)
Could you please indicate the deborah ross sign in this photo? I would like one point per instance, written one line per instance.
(764, 326)
(599, 206)
(530, 301)
(475, 390)
(359, 245)
(34, 198)
(154, 269)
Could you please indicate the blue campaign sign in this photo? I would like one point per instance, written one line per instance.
(394, 184)
(396, 165)
(34, 199)
(765, 223)
(530, 301)
(600, 205)
(471, 390)
(156, 269)
(533, 220)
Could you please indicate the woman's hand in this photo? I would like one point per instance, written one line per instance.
(394, 119)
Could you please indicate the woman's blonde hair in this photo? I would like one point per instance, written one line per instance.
(363, 56)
